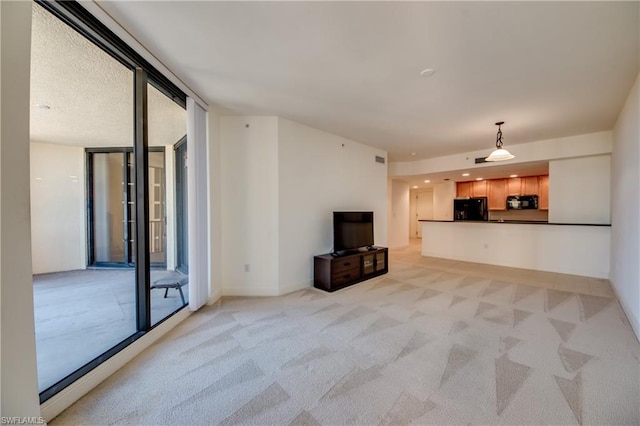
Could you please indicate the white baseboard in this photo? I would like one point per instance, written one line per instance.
(256, 291)
(215, 297)
(59, 402)
(401, 246)
(290, 288)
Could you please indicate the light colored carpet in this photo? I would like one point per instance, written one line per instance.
(432, 342)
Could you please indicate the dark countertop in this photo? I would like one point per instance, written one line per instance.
(519, 222)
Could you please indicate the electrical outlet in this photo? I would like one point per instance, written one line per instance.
(247, 268)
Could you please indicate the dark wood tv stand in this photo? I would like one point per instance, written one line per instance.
(331, 273)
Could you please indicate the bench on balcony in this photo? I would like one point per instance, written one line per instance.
(176, 282)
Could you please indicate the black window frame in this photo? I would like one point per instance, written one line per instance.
(181, 198)
(90, 229)
(79, 19)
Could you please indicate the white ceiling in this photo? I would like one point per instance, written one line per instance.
(90, 94)
(548, 69)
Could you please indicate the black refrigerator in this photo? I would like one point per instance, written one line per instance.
(470, 209)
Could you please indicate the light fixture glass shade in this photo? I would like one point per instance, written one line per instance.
(500, 155)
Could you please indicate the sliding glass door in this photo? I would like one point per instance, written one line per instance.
(111, 202)
(105, 215)
(111, 206)
(169, 289)
(80, 313)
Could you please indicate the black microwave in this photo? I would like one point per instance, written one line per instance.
(522, 202)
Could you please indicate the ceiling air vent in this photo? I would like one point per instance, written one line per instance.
(481, 160)
(379, 159)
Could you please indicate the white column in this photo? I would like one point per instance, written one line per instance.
(19, 389)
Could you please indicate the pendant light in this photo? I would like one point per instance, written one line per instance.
(499, 154)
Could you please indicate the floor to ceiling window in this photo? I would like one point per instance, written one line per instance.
(166, 207)
(107, 200)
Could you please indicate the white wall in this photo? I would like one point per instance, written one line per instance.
(579, 190)
(249, 199)
(398, 220)
(569, 147)
(320, 173)
(58, 224)
(18, 375)
(443, 195)
(579, 250)
(625, 208)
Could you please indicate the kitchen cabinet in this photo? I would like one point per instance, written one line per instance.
(464, 189)
(543, 192)
(479, 188)
(497, 194)
(497, 190)
(515, 186)
(530, 185)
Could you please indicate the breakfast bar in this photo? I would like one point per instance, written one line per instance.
(579, 249)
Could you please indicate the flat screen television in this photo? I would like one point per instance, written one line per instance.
(352, 230)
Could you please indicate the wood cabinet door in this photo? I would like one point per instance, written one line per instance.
(497, 193)
(515, 186)
(543, 192)
(464, 189)
(530, 185)
(479, 188)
